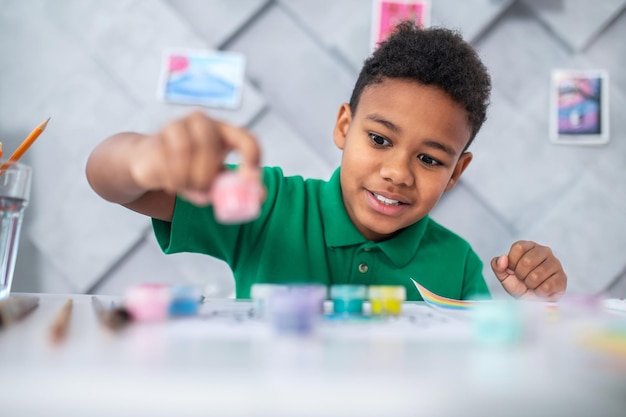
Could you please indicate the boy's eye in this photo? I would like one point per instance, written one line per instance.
(377, 139)
(428, 160)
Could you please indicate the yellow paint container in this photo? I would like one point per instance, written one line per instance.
(386, 300)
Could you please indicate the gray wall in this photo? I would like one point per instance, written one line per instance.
(93, 66)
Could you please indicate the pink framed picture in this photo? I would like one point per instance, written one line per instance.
(387, 14)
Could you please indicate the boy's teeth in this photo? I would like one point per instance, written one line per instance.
(386, 200)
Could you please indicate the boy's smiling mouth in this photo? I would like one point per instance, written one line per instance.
(389, 205)
(387, 201)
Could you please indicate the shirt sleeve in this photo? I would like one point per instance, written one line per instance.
(194, 229)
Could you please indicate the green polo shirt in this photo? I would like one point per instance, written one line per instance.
(304, 234)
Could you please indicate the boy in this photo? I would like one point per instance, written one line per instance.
(418, 103)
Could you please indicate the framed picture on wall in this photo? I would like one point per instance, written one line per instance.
(579, 107)
(387, 14)
(202, 77)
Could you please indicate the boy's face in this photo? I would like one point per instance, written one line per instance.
(402, 149)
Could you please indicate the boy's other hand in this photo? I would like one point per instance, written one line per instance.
(530, 271)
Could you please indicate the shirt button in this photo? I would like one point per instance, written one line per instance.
(367, 249)
(363, 268)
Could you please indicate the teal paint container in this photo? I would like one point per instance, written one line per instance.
(348, 299)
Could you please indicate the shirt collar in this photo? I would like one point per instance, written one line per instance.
(339, 230)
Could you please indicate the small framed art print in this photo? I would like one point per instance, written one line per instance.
(387, 14)
(579, 107)
(202, 77)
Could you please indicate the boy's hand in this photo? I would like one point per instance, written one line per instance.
(187, 154)
(530, 271)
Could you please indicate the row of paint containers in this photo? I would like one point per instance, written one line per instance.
(291, 308)
(295, 308)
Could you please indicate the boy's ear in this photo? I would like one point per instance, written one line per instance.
(344, 117)
(461, 164)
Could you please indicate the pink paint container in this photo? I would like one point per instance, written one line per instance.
(148, 302)
(235, 199)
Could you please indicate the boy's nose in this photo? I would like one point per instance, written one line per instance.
(397, 170)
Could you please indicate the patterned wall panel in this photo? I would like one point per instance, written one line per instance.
(576, 22)
(471, 17)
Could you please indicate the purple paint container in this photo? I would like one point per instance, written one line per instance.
(295, 309)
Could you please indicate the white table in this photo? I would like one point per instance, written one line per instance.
(212, 365)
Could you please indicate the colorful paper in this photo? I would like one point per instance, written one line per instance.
(438, 301)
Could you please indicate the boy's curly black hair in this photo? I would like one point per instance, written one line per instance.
(435, 56)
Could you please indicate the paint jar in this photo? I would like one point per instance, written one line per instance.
(260, 294)
(148, 302)
(497, 323)
(317, 292)
(185, 301)
(235, 199)
(294, 310)
(348, 298)
(386, 300)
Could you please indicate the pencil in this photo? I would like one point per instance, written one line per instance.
(61, 322)
(114, 319)
(25, 144)
(16, 308)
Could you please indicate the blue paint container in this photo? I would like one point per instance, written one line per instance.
(348, 299)
(185, 301)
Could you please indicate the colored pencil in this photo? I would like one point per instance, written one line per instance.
(58, 331)
(25, 144)
(114, 319)
(16, 308)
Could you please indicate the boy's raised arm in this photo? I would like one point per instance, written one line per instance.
(145, 172)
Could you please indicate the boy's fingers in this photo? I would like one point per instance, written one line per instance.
(178, 149)
(552, 281)
(518, 250)
(530, 262)
(208, 153)
(244, 143)
(195, 149)
(510, 282)
(542, 274)
(541, 271)
(500, 267)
